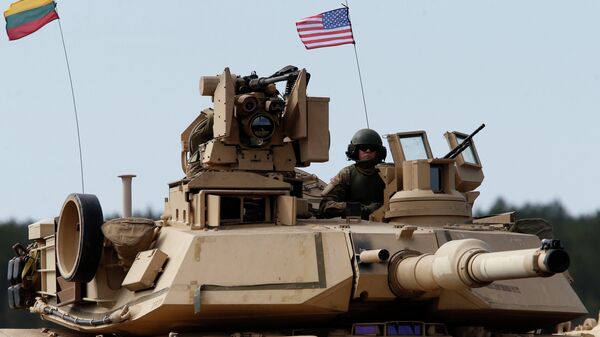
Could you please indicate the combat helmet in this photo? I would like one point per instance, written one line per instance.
(366, 137)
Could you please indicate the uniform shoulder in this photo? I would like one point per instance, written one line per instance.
(339, 183)
(344, 173)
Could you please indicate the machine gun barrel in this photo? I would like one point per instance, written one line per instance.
(463, 145)
(258, 83)
(467, 263)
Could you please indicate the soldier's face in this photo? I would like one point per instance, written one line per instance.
(367, 154)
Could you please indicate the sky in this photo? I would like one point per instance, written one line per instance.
(529, 70)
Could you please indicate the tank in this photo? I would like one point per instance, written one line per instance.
(241, 250)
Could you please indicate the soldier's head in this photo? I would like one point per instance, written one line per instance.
(366, 145)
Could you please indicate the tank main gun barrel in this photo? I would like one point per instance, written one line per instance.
(467, 263)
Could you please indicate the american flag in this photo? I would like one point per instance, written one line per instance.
(332, 28)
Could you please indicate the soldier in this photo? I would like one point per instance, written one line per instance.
(359, 182)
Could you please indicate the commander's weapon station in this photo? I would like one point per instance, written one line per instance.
(239, 156)
(424, 190)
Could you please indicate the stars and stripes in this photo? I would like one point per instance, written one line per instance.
(332, 28)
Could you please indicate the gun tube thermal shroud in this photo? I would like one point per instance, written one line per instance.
(468, 263)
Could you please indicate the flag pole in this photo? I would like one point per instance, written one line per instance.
(362, 90)
(74, 107)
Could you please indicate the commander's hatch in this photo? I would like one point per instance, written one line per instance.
(414, 145)
(421, 188)
(469, 173)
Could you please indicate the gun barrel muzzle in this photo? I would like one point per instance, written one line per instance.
(489, 267)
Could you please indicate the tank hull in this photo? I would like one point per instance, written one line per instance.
(307, 274)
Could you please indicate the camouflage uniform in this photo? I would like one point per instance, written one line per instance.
(354, 183)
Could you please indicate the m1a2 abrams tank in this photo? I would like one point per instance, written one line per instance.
(239, 252)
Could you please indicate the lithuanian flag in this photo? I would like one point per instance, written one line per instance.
(27, 16)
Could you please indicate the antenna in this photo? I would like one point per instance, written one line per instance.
(74, 108)
(362, 90)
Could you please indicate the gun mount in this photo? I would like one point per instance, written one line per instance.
(238, 249)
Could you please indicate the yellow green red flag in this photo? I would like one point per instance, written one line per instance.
(27, 16)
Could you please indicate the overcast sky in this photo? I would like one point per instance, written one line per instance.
(530, 70)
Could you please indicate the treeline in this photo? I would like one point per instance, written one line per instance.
(577, 233)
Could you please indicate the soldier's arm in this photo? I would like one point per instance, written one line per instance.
(333, 203)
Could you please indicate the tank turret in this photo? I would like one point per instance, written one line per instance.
(240, 248)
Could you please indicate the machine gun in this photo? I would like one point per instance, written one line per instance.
(252, 82)
(463, 145)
